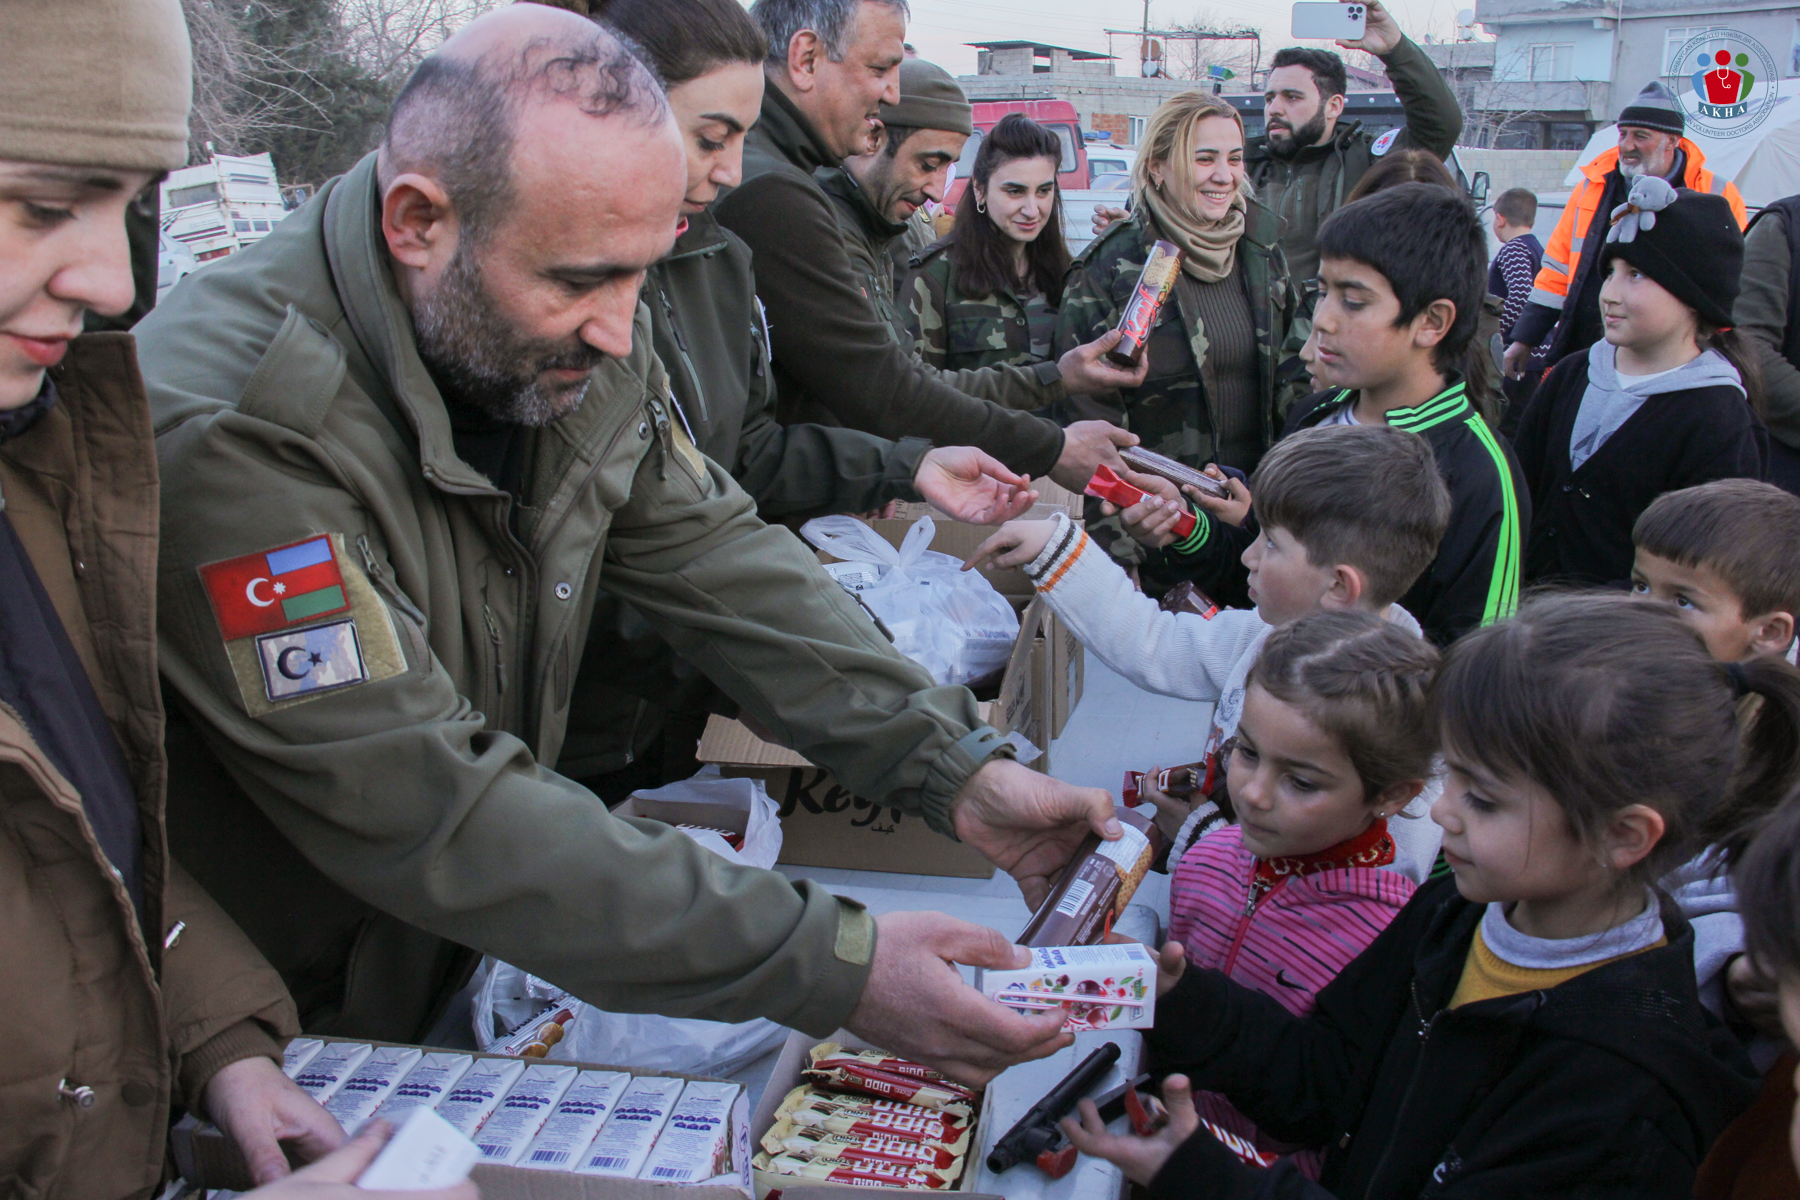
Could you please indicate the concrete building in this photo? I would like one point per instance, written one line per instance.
(1038, 58)
(1562, 68)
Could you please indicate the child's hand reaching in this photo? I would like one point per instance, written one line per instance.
(1016, 543)
(1140, 1157)
(1231, 509)
(1171, 811)
(1753, 995)
(1171, 965)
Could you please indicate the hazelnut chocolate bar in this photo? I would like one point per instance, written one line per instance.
(1096, 885)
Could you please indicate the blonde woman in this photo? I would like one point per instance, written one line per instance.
(1210, 392)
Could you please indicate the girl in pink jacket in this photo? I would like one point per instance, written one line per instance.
(1335, 739)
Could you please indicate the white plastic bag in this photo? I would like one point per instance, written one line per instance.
(509, 996)
(950, 621)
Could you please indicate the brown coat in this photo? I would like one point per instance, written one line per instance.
(105, 1029)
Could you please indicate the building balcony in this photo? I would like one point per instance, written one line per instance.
(1589, 97)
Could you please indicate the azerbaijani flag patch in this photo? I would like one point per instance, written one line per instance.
(266, 592)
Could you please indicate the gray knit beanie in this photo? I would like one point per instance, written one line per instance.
(1655, 108)
(929, 99)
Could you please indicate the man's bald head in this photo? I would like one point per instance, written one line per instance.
(457, 118)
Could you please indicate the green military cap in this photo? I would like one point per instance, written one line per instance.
(929, 99)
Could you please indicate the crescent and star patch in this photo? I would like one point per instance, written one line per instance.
(299, 621)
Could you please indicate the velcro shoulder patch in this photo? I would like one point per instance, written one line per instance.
(299, 621)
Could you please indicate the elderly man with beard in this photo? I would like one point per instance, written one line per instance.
(404, 441)
(1565, 297)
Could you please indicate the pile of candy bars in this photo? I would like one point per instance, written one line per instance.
(867, 1118)
(546, 1116)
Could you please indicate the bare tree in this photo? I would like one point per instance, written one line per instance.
(387, 38)
(236, 109)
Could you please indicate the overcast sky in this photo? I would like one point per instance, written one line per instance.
(940, 27)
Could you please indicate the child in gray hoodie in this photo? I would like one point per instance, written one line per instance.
(1666, 401)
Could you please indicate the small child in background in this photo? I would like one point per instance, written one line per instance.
(1667, 400)
(1349, 518)
(1530, 1027)
(1727, 555)
(1335, 740)
(1520, 256)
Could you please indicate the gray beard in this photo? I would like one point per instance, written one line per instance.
(479, 358)
(1638, 170)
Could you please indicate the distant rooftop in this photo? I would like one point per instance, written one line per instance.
(1038, 48)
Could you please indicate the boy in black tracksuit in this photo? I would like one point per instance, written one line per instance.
(1611, 1084)
(1394, 317)
(1648, 409)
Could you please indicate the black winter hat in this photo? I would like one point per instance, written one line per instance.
(1655, 108)
(1687, 241)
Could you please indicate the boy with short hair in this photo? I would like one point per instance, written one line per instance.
(1727, 554)
(1394, 322)
(1349, 518)
(1520, 256)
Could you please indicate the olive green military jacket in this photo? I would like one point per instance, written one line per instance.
(366, 746)
(836, 360)
(1308, 186)
(707, 328)
(868, 236)
(1170, 411)
(951, 329)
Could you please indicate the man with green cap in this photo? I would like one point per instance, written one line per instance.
(832, 65)
(129, 995)
(878, 195)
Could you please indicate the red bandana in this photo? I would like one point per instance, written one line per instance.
(1370, 848)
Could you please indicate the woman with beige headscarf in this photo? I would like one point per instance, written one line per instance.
(1211, 389)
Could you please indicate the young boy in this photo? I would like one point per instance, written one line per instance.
(1727, 554)
(1394, 321)
(1349, 518)
(1521, 254)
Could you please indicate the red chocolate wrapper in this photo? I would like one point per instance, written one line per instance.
(1096, 885)
(827, 1055)
(1106, 485)
(857, 1174)
(1246, 1152)
(1161, 269)
(819, 1144)
(859, 1077)
(1184, 597)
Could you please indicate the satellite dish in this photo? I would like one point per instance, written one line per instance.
(1465, 18)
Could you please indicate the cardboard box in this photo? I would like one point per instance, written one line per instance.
(1068, 674)
(784, 1079)
(206, 1158)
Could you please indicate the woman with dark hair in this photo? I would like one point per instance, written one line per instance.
(707, 327)
(986, 295)
(1402, 166)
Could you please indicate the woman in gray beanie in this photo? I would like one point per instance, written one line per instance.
(1666, 400)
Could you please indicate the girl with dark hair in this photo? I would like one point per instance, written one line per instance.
(1402, 166)
(986, 295)
(1530, 1026)
(707, 327)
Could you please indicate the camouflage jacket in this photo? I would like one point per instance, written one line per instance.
(919, 234)
(950, 329)
(1169, 411)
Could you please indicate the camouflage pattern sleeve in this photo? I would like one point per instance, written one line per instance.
(924, 302)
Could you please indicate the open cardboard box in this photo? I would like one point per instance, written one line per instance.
(824, 825)
(784, 1079)
(208, 1159)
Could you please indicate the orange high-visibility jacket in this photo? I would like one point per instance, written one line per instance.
(1563, 254)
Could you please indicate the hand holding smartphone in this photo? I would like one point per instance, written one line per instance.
(1330, 21)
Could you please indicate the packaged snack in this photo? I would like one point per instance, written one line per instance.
(1184, 597)
(1107, 485)
(361, 1094)
(1096, 885)
(696, 1143)
(784, 1137)
(1161, 269)
(330, 1067)
(856, 1174)
(576, 1120)
(860, 1077)
(838, 1113)
(629, 1134)
(428, 1083)
(534, 1038)
(505, 1134)
(478, 1093)
(827, 1055)
(424, 1154)
(1241, 1147)
(299, 1052)
(1149, 462)
(1110, 986)
(1181, 782)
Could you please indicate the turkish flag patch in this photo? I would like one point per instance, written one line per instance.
(273, 589)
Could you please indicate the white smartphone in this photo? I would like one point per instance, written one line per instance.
(1336, 22)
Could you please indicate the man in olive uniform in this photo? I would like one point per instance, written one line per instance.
(1308, 159)
(832, 63)
(405, 439)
